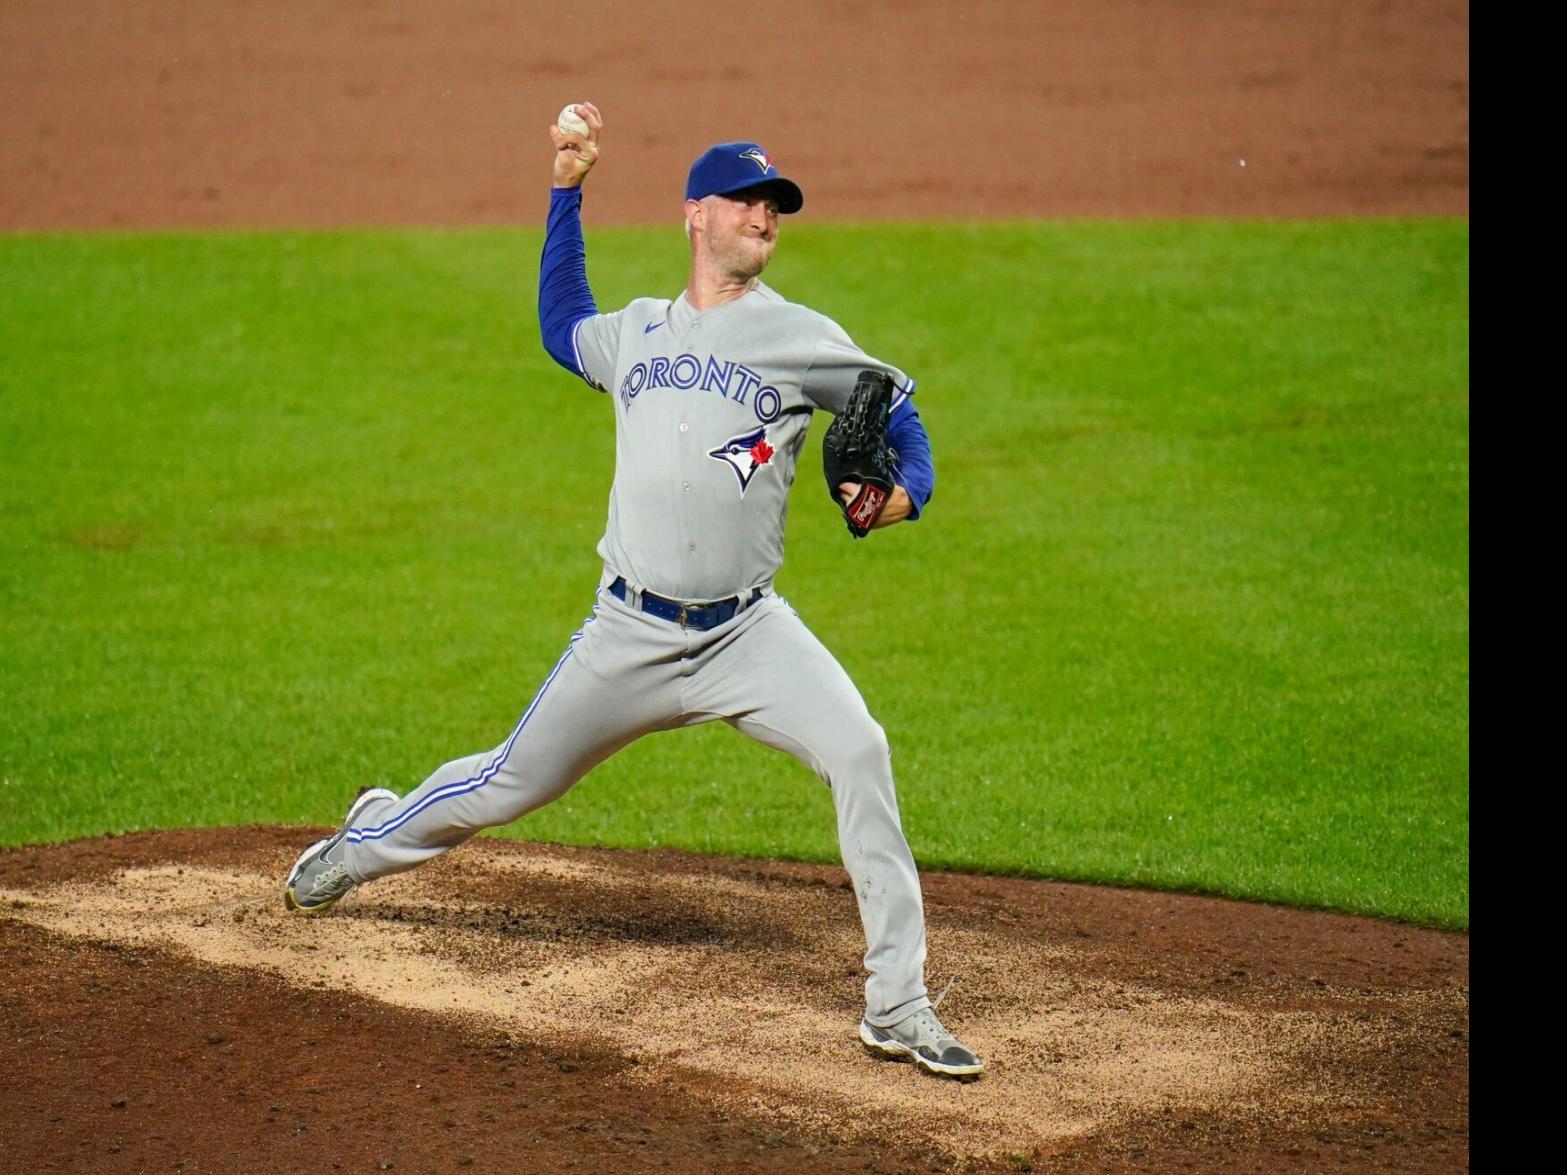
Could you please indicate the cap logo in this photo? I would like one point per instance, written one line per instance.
(759, 157)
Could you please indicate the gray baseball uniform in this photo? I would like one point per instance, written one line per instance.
(711, 410)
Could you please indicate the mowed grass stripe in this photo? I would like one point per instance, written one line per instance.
(284, 514)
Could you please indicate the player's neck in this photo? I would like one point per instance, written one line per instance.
(707, 289)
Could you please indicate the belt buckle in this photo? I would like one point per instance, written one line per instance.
(682, 615)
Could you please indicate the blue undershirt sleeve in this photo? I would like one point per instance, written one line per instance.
(565, 298)
(914, 470)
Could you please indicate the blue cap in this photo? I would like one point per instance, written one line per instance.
(734, 167)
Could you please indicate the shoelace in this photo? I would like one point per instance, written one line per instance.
(936, 1003)
(332, 881)
(925, 1027)
(941, 1037)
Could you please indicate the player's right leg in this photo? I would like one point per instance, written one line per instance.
(600, 696)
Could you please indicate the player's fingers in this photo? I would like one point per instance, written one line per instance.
(591, 114)
(847, 490)
(583, 149)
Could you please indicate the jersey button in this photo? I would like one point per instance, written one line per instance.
(691, 546)
(684, 427)
(685, 485)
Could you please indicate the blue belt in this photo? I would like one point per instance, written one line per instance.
(699, 616)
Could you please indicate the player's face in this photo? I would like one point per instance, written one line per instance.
(742, 230)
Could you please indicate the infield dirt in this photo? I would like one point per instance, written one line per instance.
(289, 112)
(539, 1008)
(536, 1007)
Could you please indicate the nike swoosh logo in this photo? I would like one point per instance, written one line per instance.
(651, 327)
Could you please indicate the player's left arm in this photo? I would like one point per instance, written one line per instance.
(914, 472)
(914, 469)
(829, 381)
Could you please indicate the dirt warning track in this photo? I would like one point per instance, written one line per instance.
(579, 1006)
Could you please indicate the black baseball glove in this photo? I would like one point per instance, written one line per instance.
(855, 449)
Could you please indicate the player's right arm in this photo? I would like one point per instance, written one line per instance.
(565, 298)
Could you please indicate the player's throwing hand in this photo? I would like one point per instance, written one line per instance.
(576, 152)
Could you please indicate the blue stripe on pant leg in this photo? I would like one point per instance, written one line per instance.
(472, 783)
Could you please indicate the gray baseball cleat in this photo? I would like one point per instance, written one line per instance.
(318, 878)
(921, 1038)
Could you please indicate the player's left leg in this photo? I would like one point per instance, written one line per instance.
(804, 703)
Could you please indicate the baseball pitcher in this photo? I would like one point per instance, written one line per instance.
(711, 392)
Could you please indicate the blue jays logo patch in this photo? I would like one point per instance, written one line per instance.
(745, 454)
(759, 157)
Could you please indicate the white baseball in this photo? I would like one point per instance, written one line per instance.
(571, 123)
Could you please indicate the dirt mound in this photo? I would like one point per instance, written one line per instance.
(239, 114)
(586, 1006)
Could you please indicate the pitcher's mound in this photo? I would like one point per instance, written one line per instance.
(523, 1006)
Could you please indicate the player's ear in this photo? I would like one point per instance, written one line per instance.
(695, 212)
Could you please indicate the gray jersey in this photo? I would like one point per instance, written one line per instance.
(711, 411)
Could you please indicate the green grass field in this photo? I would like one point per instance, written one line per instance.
(282, 514)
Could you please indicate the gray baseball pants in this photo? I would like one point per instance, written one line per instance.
(627, 674)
